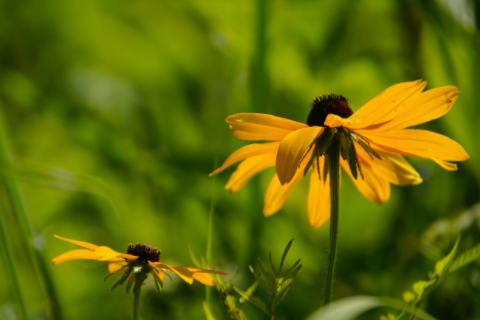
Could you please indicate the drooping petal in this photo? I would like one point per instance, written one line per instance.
(248, 151)
(182, 272)
(204, 278)
(334, 121)
(427, 106)
(318, 197)
(292, 150)
(445, 165)
(387, 104)
(107, 254)
(116, 266)
(392, 167)
(258, 127)
(247, 169)
(373, 186)
(79, 254)
(78, 243)
(417, 143)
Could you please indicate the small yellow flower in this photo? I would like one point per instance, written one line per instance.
(139, 261)
(374, 139)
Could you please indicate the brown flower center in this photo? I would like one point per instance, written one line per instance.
(324, 105)
(144, 252)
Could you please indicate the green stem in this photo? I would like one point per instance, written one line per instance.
(136, 303)
(208, 255)
(333, 158)
(26, 230)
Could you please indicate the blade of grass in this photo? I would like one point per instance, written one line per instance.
(208, 289)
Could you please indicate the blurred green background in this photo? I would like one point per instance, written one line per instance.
(114, 113)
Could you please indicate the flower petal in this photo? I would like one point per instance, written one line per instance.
(318, 197)
(247, 169)
(333, 120)
(445, 165)
(79, 254)
(107, 254)
(392, 167)
(257, 126)
(417, 143)
(248, 151)
(427, 106)
(387, 104)
(79, 243)
(182, 272)
(292, 150)
(116, 266)
(373, 187)
(204, 278)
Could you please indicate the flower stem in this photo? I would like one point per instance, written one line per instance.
(136, 303)
(333, 158)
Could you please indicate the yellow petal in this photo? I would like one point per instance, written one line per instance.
(393, 167)
(248, 151)
(247, 169)
(79, 243)
(277, 194)
(333, 120)
(204, 278)
(160, 273)
(427, 106)
(199, 270)
(292, 150)
(445, 165)
(182, 272)
(386, 105)
(373, 187)
(116, 266)
(256, 126)
(107, 254)
(79, 254)
(318, 197)
(417, 143)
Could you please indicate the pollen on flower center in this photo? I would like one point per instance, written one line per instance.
(144, 252)
(324, 105)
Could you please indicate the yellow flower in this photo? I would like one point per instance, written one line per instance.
(373, 139)
(139, 261)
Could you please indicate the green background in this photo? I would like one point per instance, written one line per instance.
(114, 115)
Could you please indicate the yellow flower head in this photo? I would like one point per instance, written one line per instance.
(373, 141)
(140, 261)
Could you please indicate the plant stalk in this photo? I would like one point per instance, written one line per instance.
(136, 303)
(333, 158)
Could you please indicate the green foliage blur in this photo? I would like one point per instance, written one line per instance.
(114, 115)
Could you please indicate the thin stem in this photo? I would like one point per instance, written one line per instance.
(136, 303)
(208, 289)
(333, 158)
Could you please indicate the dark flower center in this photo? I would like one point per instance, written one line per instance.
(322, 106)
(144, 252)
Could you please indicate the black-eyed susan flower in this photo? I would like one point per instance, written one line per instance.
(140, 261)
(372, 142)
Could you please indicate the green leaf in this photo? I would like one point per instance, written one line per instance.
(443, 265)
(252, 288)
(130, 282)
(465, 258)
(286, 272)
(208, 313)
(192, 256)
(281, 295)
(123, 278)
(408, 296)
(271, 264)
(267, 274)
(253, 299)
(139, 278)
(284, 255)
(419, 287)
(351, 308)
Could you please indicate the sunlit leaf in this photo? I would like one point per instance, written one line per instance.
(465, 258)
(419, 287)
(442, 265)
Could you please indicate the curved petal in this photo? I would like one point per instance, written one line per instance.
(333, 120)
(247, 169)
(182, 272)
(417, 143)
(392, 167)
(107, 254)
(78, 243)
(445, 165)
(373, 187)
(387, 104)
(248, 151)
(277, 193)
(318, 197)
(116, 266)
(257, 126)
(427, 106)
(204, 278)
(79, 254)
(292, 150)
